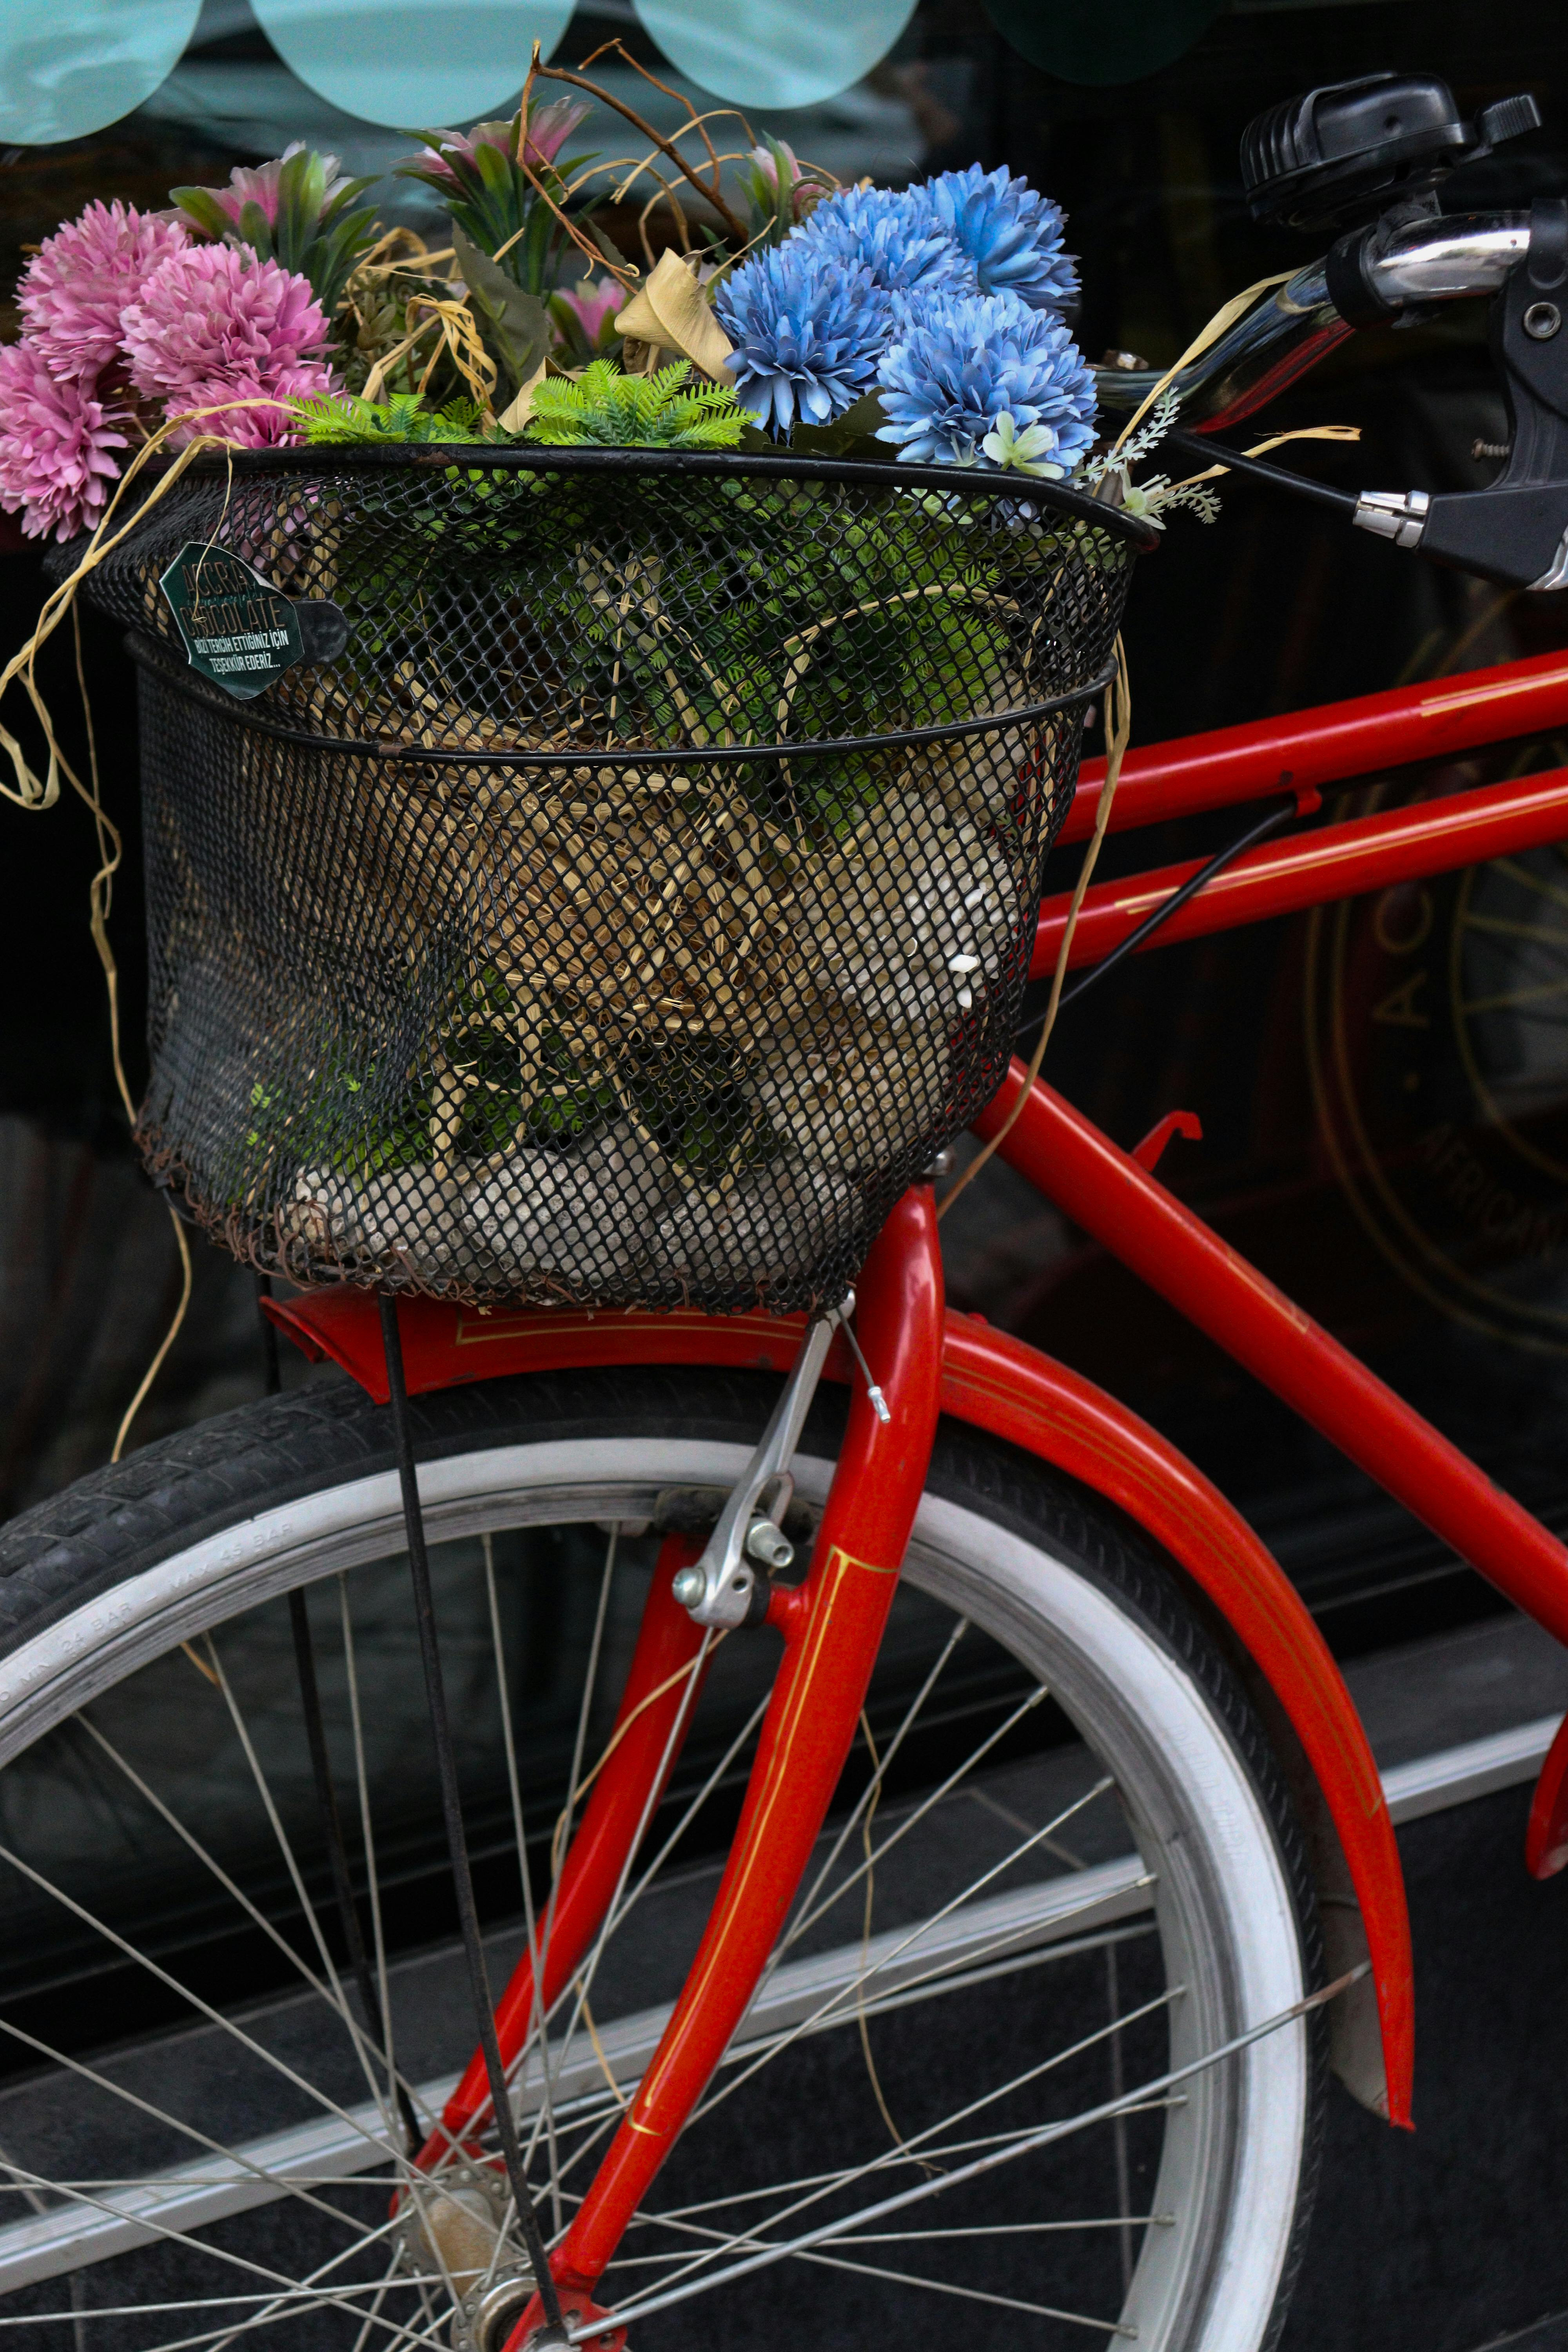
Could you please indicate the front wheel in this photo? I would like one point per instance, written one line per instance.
(1061, 1871)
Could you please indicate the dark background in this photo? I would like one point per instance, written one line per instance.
(1453, 1282)
(1386, 1123)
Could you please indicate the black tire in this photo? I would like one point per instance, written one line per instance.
(102, 1581)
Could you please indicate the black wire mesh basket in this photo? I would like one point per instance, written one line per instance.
(593, 876)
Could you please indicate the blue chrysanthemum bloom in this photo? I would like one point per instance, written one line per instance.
(1009, 232)
(893, 232)
(807, 334)
(961, 361)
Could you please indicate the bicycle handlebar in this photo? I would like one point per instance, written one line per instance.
(1516, 530)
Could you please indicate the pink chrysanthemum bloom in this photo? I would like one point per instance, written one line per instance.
(54, 441)
(77, 284)
(214, 325)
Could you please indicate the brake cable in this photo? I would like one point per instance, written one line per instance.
(1298, 804)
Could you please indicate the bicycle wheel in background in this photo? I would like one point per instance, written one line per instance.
(1061, 1869)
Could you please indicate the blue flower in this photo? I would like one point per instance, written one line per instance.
(1010, 234)
(894, 234)
(807, 334)
(961, 362)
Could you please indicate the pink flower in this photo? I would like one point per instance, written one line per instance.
(79, 281)
(543, 133)
(214, 324)
(550, 127)
(54, 446)
(593, 306)
(767, 164)
(257, 183)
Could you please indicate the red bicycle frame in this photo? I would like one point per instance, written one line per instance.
(832, 1624)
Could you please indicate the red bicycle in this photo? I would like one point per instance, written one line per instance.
(1041, 1769)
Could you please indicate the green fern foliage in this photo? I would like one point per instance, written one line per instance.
(607, 409)
(341, 418)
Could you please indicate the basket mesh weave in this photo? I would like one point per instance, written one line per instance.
(644, 896)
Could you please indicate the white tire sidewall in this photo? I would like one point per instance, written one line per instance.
(1222, 1885)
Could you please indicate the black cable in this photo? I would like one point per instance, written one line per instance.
(1273, 823)
(1278, 478)
(451, 1806)
(271, 1369)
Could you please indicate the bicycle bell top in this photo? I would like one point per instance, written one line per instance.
(1342, 152)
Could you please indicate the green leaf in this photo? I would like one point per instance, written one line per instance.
(853, 435)
(342, 419)
(257, 230)
(608, 409)
(201, 206)
(518, 323)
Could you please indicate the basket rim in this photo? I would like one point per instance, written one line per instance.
(737, 465)
(150, 654)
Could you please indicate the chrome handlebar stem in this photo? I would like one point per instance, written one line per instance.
(1443, 260)
(1290, 328)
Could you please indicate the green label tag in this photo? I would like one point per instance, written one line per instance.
(240, 631)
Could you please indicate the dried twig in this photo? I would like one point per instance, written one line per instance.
(710, 195)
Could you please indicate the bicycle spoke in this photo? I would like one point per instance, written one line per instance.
(514, 1792)
(912, 2143)
(561, 1841)
(1027, 2144)
(192, 2244)
(209, 1862)
(1005, 2229)
(389, 2276)
(971, 2295)
(156, 2115)
(884, 1960)
(872, 1790)
(917, 1814)
(373, 2077)
(693, 1677)
(183, 1992)
(742, 1740)
(367, 1835)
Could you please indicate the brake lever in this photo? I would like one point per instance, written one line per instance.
(1514, 531)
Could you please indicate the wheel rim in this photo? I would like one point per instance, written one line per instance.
(1207, 2275)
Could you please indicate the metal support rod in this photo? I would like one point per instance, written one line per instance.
(451, 1806)
(337, 1855)
(326, 1795)
(271, 1368)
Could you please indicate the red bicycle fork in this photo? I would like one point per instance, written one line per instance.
(643, 1746)
(831, 1627)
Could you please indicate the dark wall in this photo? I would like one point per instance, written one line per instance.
(1401, 1173)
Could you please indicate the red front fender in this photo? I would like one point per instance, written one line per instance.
(995, 1384)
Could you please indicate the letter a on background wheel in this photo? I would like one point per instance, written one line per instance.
(1060, 1872)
